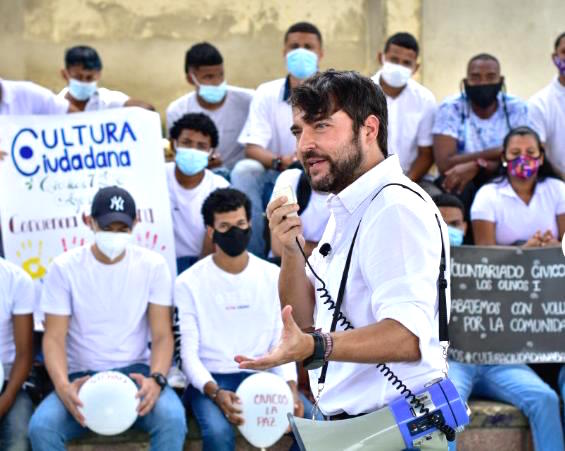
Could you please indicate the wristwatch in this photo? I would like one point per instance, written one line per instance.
(276, 164)
(316, 360)
(160, 379)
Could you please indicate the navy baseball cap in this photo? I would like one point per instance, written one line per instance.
(113, 204)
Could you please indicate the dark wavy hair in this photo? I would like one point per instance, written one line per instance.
(199, 122)
(224, 200)
(545, 170)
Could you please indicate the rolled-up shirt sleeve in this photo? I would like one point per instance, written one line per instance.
(401, 267)
(257, 129)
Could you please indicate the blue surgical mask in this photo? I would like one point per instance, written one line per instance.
(191, 161)
(81, 90)
(301, 63)
(455, 236)
(211, 93)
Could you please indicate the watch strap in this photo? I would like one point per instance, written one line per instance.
(316, 360)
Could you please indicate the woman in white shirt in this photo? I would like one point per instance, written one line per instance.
(525, 204)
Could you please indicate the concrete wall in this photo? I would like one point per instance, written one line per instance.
(142, 42)
(520, 33)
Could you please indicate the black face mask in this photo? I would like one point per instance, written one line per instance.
(234, 241)
(483, 95)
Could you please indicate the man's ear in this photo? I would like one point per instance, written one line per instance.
(189, 79)
(133, 224)
(210, 232)
(380, 58)
(371, 129)
(65, 75)
(416, 68)
(465, 227)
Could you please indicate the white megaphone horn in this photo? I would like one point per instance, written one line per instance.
(425, 421)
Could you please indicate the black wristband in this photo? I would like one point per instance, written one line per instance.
(316, 360)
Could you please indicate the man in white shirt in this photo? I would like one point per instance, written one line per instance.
(17, 299)
(241, 305)
(269, 145)
(227, 106)
(194, 137)
(411, 106)
(82, 72)
(546, 111)
(103, 303)
(390, 302)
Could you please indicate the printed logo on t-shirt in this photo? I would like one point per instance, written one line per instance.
(117, 203)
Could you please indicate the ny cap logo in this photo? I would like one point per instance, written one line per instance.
(117, 203)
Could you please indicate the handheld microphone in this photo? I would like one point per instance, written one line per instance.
(325, 249)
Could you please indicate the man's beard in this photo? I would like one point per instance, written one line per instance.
(341, 173)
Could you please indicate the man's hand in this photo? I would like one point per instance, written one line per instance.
(285, 226)
(294, 346)
(227, 401)
(459, 176)
(298, 404)
(149, 392)
(214, 161)
(68, 394)
(548, 239)
(535, 240)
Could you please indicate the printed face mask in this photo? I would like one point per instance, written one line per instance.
(81, 90)
(234, 241)
(112, 244)
(301, 63)
(191, 161)
(523, 167)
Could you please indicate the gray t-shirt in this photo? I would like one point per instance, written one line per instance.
(229, 119)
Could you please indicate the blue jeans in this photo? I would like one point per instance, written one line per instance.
(253, 179)
(183, 263)
(13, 425)
(217, 432)
(520, 386)
(51, 425)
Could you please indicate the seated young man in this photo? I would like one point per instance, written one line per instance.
(226, 105)
(103, 302)
(82, 72)
(17, 299)
(243, 303)
(194, 137)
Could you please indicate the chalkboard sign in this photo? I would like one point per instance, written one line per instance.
(507, 305)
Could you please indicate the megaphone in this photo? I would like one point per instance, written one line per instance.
(416, 421)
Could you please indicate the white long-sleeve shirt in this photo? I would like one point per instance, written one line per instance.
(223, 315)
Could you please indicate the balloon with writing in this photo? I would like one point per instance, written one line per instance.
(266, 401)
(109, 402)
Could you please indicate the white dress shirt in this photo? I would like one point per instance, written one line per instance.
(25, 97)
(270, 118)
(546, 112)
(222, 315)
(393, 275)
(410, 121)
(102, 99)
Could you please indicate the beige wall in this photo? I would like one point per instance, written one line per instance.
(142, 42)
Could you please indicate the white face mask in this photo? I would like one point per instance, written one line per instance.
(112, 244)
(395, 75)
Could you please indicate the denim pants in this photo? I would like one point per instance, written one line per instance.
(217, 432)
(253, 179)
(520, 386)
(51, 425)
(13, 425)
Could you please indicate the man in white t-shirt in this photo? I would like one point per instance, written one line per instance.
(269, 145)
(227, 106)
(82, 72)
(221, 298)
(194, 137)
(24, 97)
(546, 111)
(17, 299)
(411, 106)
(103, 303)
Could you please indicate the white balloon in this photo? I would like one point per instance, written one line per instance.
(266, 401)
(109, 402)
(1, 376)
